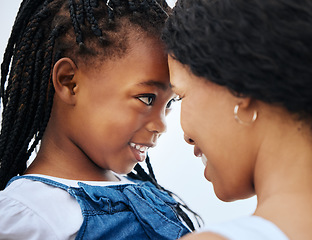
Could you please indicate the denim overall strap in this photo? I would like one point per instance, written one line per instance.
(154, 210)
(130, 211)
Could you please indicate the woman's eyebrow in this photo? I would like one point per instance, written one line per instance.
(171, 86)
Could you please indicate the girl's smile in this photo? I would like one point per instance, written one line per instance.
(87, 83)
(116, 111)
(139, 151)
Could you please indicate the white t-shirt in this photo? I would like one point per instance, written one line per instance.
(247, 228)
(27, 205)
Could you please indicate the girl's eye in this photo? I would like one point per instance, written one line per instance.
(176, 99)
(147, 99)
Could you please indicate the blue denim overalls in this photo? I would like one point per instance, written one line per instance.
(129, 211)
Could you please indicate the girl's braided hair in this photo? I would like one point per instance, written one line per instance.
(45, 31)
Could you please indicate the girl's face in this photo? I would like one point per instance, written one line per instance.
(207, 119)
(121, 107)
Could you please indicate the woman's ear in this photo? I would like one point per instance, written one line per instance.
(64, 81)
(245, 110)
(244, 102)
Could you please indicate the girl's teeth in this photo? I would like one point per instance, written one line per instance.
(138, 147)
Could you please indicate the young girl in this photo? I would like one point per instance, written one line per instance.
(88, 80)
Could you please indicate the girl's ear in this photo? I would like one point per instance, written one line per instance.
(64, 81)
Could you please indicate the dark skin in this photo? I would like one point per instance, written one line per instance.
(100, 112)
(269, 157)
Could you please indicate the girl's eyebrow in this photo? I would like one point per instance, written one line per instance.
(157, 84)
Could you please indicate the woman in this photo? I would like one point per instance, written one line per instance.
(243, 72)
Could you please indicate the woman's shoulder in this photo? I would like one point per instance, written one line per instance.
(244, 228)
(203, 236)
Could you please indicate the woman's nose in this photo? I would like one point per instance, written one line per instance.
(189, 140)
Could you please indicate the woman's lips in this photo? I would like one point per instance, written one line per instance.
(204, 159)
(198, 153)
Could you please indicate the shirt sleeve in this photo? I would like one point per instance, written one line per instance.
(17, 221)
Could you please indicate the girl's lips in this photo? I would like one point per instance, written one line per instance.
(139, 151)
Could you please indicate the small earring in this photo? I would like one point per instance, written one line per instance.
(107, 4)
(254, 117)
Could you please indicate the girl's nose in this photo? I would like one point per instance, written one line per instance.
(157, 124)
(189, 140)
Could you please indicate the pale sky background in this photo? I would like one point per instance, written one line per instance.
(175, 166)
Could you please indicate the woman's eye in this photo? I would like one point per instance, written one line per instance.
(176, 99)
(147, 99)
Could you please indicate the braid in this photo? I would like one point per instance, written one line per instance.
(24, 101)
(21, 99)
(91, 19)
(76, 21)
(80, 12)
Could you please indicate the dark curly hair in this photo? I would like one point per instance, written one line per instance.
(256, 48)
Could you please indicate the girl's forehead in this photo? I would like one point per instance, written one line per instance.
(144, 65)
(137, 45)
(143, 58)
